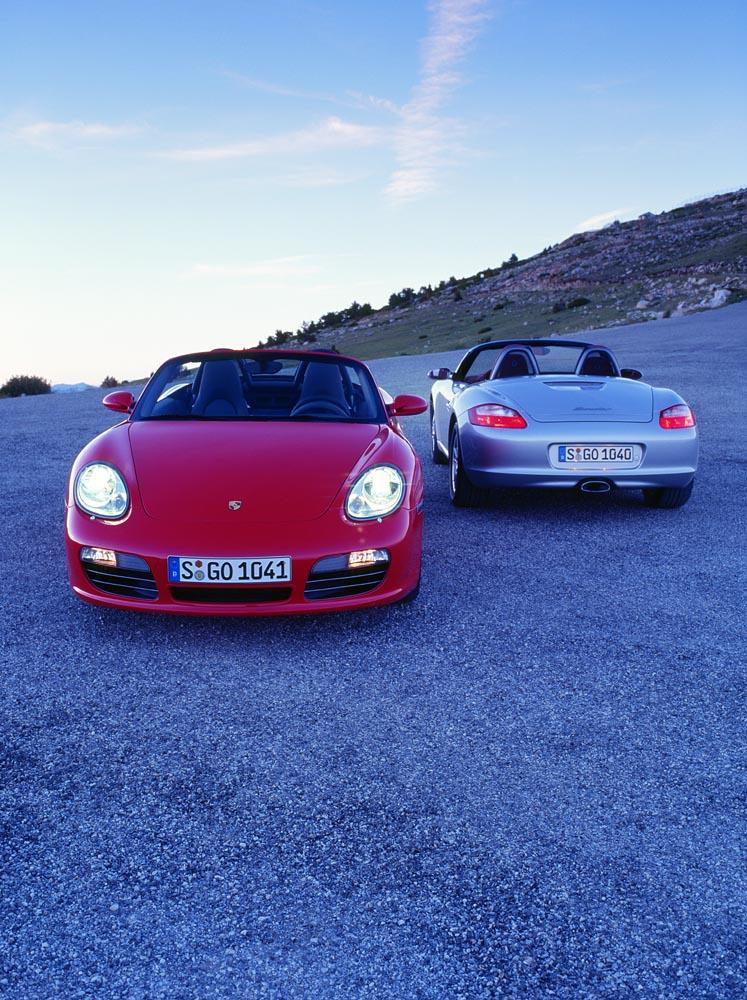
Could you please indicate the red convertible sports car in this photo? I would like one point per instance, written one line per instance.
(249, 482)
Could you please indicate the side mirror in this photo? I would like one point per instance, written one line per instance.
(630, 373)
(437, 373)
(407, 406)
(120, 402)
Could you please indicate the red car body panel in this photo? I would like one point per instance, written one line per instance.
(292, 479)
(261, 463)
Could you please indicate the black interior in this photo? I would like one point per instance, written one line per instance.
(252, 387)
(322, 392)
(598, 363)
(220, 393)
(512, 365)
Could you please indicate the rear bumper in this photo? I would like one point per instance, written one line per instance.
(495, 458)
(400, 534)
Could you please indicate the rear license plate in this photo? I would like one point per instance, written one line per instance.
(248, 569)
(619, 455)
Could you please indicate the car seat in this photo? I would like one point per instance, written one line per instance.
(598, 363)
(513, 364)
(322, 392)
(220, 393)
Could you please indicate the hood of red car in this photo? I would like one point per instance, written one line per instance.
(276, 471)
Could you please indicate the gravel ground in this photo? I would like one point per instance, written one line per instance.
(529, 783)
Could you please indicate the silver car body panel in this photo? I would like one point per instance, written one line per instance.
(565, 410)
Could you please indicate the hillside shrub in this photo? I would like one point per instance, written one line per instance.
(581, 300)
(404, 298)
(109, 382)
(25, 385)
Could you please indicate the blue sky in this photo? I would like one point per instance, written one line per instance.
(185, 175)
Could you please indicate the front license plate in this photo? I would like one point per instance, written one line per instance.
(247, 569)
(619, 455)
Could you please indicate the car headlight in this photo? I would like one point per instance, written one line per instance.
(100, 490)
(377, 492)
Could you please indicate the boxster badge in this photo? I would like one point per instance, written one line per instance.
(234, 504)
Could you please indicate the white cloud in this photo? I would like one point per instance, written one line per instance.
(351, 98)
(269, 87)
(424, 139)
(42, 132)
(301, 265)
(355, 99)
(317, 177)
(332, 133)
(598, 221)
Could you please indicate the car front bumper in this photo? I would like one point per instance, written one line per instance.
(400, 534)
(496, 458)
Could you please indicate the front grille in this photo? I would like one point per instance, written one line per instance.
(331, 578)
(230, 595)
(130, 578)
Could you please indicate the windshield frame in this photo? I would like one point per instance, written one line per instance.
(467, 360)
(152, 390)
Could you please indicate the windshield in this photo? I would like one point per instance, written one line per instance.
(261, 386)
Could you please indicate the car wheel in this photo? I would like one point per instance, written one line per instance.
(668, 497)
(461, 490)
(409, 598)
(436, 454)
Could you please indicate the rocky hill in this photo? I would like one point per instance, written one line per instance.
(691, 258)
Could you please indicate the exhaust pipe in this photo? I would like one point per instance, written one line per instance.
(595, 486)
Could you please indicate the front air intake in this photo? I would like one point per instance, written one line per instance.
(131, 577)
(331, 577)
(230, 595)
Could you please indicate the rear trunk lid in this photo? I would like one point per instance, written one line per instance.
(566, 398)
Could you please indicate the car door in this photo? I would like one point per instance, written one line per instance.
(471, 371)
(443, 396)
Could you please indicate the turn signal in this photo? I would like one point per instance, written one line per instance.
(493, 415)
(676, 417)
(367, 557)
(104, 557)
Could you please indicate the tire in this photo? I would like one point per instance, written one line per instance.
(462, 492)
(437, 456)
(409, 598)
(668, 497)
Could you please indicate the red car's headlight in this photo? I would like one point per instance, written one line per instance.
(375, 493)
(100, 490)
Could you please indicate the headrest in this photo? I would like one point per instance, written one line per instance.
(323, 381)
(513, 363)
(598, 363)
(220, 384)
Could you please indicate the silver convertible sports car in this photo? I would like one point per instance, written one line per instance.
(557, 413)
